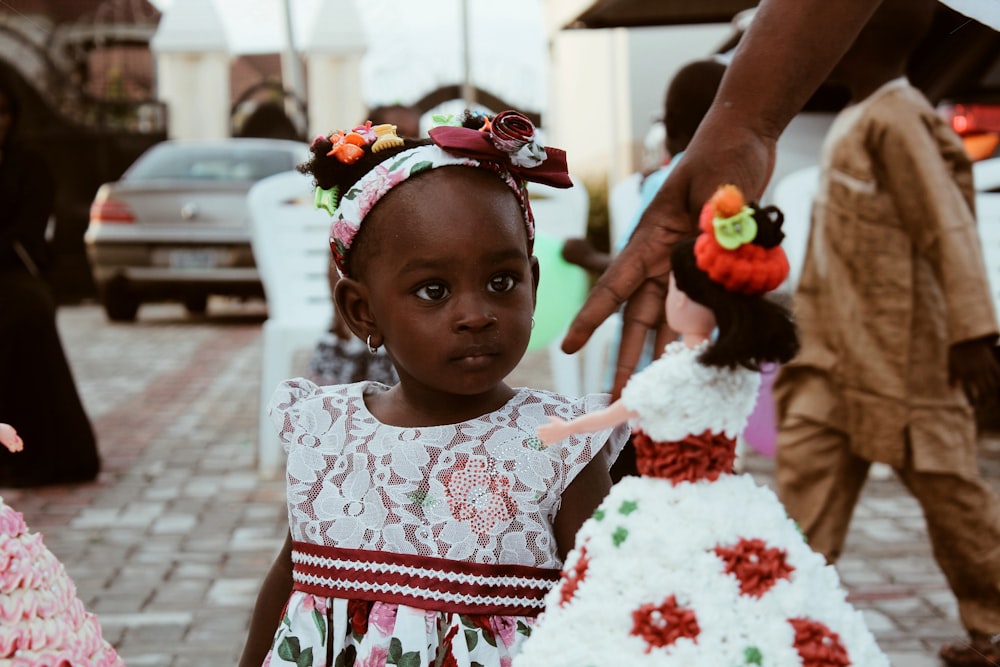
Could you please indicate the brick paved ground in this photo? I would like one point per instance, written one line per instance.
(169, 546)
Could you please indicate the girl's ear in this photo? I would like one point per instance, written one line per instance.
(351, 298)
(535, 273)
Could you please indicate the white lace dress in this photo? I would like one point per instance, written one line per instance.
(420, 546)
(689, 564)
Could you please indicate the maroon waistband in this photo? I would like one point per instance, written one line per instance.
(425, 582)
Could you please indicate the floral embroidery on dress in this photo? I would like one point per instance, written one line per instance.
(477, 493)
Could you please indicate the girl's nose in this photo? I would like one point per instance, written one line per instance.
(474, 314)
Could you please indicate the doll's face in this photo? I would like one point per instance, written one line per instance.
(685, 315)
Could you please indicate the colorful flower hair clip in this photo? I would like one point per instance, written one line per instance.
(386, 137)
(367, 131)
(327, 199)
(347, 147)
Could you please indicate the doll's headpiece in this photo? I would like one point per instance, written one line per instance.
(504, 144)
(739, 246)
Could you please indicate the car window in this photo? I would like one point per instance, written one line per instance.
(210, 164)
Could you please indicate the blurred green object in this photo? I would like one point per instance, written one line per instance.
(562, 289)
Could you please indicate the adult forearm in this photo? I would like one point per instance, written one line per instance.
(786, 53)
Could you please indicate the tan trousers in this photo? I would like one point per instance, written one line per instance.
(820, 480)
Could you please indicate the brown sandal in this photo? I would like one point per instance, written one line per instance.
(978, 651)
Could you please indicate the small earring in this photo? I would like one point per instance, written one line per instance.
(371, 348)
(532, 322)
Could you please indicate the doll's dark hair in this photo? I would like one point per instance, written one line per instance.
(752, 329)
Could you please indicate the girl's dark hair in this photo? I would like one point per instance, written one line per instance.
(752, 329)
(328, 171)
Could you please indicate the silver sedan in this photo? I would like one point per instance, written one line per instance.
(176, 226)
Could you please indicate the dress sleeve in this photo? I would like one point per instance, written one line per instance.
(285, 407)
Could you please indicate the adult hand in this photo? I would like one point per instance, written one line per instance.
(723, 152)
(973, 364)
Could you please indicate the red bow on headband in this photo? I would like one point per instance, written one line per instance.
(503, 139)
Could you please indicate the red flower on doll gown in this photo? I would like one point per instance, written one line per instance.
(476, 493)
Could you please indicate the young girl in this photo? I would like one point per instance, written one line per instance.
(426, 520)
(689, 564)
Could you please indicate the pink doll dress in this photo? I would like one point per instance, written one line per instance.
(420, 546)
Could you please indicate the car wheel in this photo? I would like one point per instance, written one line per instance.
(196, 304)
(119, 304)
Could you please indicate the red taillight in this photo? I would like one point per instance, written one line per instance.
(111, 210)
(973, 118)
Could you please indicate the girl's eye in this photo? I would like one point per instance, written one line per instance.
(432, 292)
(502, 283)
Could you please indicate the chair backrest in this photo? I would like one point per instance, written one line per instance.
(291, 247)
(560, 213)
(794, 196)
(623, 203)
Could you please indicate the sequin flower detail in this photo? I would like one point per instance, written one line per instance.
(476, 493)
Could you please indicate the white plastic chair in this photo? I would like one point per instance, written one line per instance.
(623, 202)
(290, 242)
(794, 196)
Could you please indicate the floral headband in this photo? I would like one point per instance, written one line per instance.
(504, 145)
(740, 245)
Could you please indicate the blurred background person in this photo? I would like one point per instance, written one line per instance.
(37, 391)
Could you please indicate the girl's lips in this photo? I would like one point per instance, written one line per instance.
(475, 358)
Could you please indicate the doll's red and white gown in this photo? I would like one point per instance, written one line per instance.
(689, 564)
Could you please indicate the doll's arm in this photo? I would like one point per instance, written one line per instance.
(10, 439)
(271, 601)
(559, 429)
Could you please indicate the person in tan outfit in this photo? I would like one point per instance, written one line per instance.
(897, 329)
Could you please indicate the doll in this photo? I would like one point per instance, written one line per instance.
(688, 563)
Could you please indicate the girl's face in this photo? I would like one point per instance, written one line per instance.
(450, 281)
